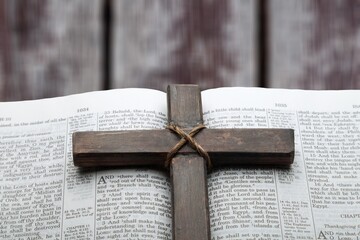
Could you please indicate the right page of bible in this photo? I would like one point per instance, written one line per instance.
(318, 197)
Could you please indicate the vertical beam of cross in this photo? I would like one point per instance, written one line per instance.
(188, 172)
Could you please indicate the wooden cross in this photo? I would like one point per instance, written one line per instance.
(188, 170)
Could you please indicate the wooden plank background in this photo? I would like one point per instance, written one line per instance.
(52, 48)
(314, 44)
(210, 43)
(49, 48)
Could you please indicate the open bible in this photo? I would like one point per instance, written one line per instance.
(43, 196)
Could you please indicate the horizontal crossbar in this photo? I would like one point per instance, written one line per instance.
(150, 147)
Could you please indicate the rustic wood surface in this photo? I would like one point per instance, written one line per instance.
(190, 198)
(314, 44)
(53, 48)
(188, 172)
(209, 43)
(49, 48)
(240, 146)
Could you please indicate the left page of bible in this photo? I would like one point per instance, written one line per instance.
(43, 196)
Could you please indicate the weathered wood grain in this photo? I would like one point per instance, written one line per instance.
(190, 198)
(150, 147)
(188, 173)
(184, 105)
(314, 44)
(49, 48)
(209, 43)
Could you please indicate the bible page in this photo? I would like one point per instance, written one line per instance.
(318, 197)
(43, 196)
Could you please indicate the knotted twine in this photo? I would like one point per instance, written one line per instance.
(187, 138)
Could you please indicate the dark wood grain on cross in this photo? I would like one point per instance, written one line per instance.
(187, 169)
